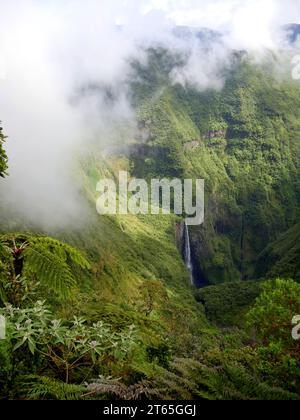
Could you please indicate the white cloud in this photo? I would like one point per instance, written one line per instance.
(52, 48)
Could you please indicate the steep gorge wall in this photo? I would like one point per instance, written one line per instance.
(250, 161)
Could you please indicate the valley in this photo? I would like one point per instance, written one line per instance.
(152, 307)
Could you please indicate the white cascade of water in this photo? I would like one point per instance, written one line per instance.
(188, 254)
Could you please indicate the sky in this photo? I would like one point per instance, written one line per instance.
(49, 49)
(217, 13)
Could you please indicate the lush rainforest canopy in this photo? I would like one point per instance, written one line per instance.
(107, 310)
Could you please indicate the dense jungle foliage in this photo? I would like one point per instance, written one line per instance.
(107, 310)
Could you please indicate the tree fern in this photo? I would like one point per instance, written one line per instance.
(50, 261)
(50, 269)
(65, 251)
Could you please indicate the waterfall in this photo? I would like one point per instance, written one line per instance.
(197, 275)
(187, 254)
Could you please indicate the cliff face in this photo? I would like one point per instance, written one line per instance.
(248, 156)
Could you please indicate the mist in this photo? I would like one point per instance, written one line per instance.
(52, 51)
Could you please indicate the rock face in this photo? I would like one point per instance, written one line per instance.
(192, 145)
(213, 134)
(143, 132)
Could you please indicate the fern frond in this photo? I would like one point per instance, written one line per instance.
(51, 261)
(115, 388)
(51, 270)
(42, 387)
(62, 249)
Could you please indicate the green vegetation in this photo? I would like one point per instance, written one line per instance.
(226, 303)
(248, 153)
(3, 157)
(105, 310)
(39, 260)
(281, 258)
